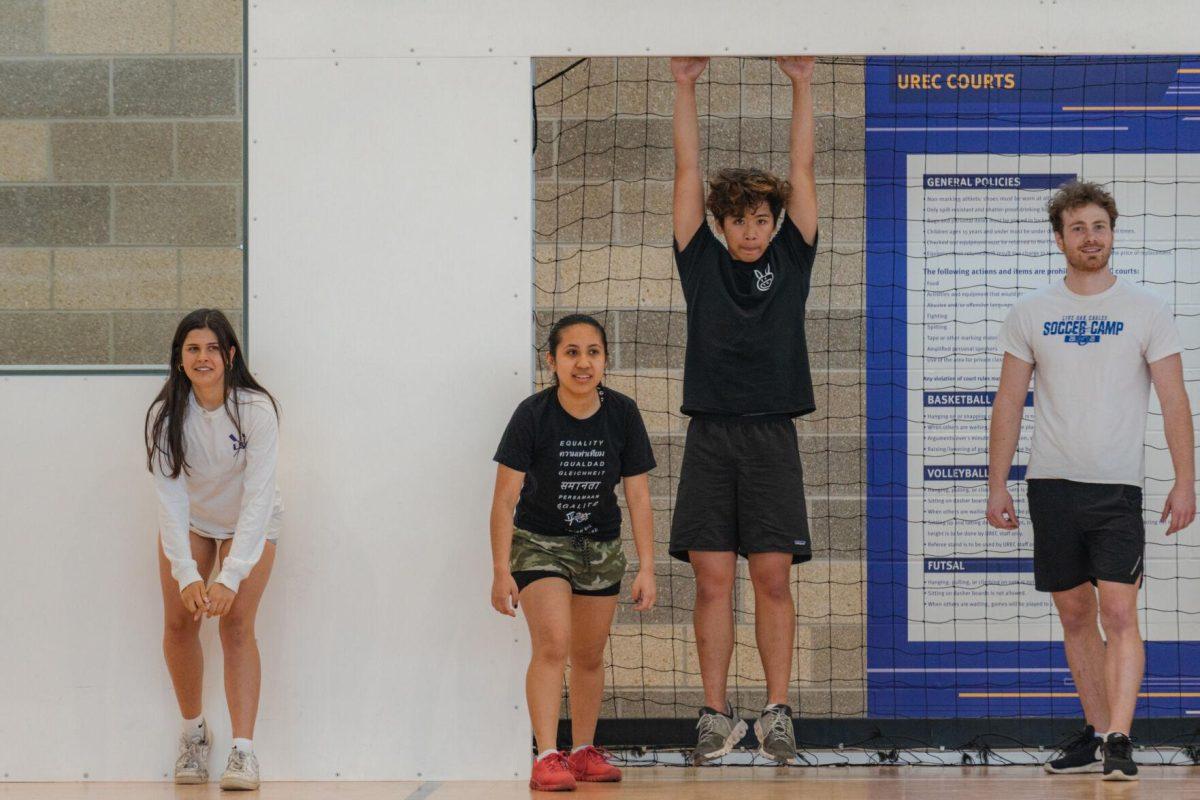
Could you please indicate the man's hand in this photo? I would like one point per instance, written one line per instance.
(798, 68)
(1000, 511)
(687, 69)
(1180, 507)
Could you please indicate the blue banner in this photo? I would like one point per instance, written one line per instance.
(961, 156)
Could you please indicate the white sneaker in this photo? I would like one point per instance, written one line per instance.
(192, 764)
(241, 772)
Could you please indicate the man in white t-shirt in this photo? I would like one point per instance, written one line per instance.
(1095, 343)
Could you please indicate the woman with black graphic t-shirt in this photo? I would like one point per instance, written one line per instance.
(556, 539)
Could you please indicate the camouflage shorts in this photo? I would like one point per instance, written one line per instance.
(591, 567)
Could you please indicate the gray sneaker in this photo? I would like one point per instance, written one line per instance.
(241, 772)
(192, 764)
(719, 733)
(776, 734)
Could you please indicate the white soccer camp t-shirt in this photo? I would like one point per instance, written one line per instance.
(1091, 357)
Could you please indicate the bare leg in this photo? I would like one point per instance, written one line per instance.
(547, 605)
(1085, 651)
(1126, 656)
(181, 634)
(591, 620)
(713, 621)
(243, 670)
(774, 620)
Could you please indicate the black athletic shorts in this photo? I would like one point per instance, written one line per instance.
(741, 489)
(1085, 532)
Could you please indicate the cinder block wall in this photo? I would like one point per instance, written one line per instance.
(603, 170)
(120, 175)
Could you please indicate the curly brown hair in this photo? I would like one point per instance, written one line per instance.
(1077, 194)
(735, 192)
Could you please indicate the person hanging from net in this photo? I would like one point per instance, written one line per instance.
(1096, 343)
(746, 377)
(556, 539)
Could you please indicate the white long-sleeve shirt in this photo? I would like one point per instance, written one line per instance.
(227, 491)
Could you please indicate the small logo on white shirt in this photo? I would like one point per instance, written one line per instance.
(238, 444)
(765, 278)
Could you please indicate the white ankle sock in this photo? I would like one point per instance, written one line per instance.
(545, 753)
(1101, 735)
(581, 747)
(194, 728)
(245, 745)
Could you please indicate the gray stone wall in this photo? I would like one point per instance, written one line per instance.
(120, 175)
(603, 171)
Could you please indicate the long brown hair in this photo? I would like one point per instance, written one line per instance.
(164, 437)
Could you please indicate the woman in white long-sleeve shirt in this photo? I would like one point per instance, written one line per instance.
(211, 443)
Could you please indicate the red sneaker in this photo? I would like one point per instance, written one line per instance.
(591, 765)
(552, 774)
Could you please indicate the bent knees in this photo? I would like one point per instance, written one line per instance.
(236, 632)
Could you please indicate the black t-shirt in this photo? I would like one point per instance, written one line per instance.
(746, 349)
(572, 466)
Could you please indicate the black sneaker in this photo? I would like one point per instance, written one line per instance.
(1082, 752)
(1118, 758)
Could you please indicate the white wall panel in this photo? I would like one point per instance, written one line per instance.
(318, 28)
(389, 283)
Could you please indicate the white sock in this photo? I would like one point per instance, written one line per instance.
(245, 745)
(194, 728)
(545, 753)
(1101, 735)
(581, 747)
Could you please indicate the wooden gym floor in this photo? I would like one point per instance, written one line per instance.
(720, 783)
